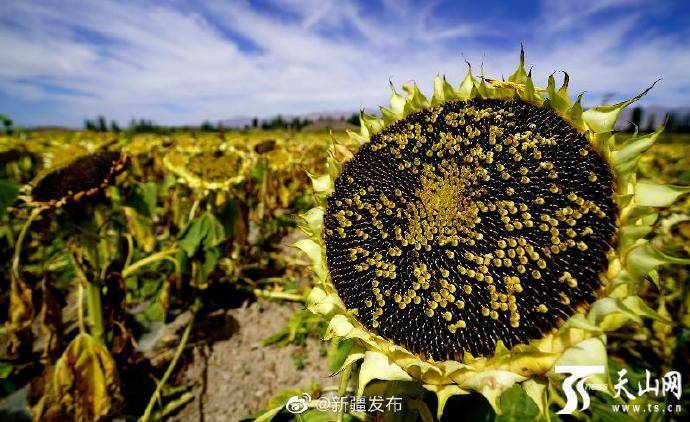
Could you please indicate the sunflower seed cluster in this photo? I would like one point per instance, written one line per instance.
(469, 223)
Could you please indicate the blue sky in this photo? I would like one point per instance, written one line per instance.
(182, 62)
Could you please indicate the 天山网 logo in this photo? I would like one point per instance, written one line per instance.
(578, 373)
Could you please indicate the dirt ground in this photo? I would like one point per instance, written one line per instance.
(238, 375)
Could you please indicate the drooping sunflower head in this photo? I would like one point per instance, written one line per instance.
(84, 177)
(265, 146)
(275, 154)
(217, 169)
(480, 238)
(9, 155)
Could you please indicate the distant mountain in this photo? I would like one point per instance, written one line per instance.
(242, 121)
(326, 123)
(333, 114)
(236, 122)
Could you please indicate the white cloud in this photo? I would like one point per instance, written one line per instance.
(561, 15)
(130, 59)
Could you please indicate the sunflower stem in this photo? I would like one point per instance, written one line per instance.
(192, 211)
(130, 249)
(20, 310)
(423, 409)
(95, 310)
(80, 308)
(178, 352)
(158, 256)
(278, 295)
(96, 254)
(342, 388)
(20, 241)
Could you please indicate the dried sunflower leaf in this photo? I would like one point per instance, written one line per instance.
(85, 382)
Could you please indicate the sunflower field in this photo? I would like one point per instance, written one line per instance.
(440, 262)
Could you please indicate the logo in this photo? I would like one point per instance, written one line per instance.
(581, 373)
(298, 404)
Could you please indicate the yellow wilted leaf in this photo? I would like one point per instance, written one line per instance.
(85, 384)
(141, 228)
(20, 316)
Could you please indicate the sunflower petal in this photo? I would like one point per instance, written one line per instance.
(556, 100)
(378, 366)
(645, 258)
(602, 119)
(439, 96)
(311, 222)
(634, 147)
(397, 102)
(520, 73)
(444, 393)
(313, 251)
(491, 384)
(321, 184)
(655, 195)
(588, 352)
(371, 123)
(467, 85)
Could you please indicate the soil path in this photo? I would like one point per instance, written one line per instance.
(241, 375)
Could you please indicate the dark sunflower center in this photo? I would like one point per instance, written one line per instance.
(469, 223)
(85, 176)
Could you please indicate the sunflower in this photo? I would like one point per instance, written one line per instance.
(474, 241)
(81, 178)
(209, 170)
(64, 186)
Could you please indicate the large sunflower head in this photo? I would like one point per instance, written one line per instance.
(209, 169)
(478, 239)
(81, 178)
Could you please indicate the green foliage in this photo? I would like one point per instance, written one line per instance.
(146, 126)
(299, 358)
(201, 239)
(5, 369)
(8, 194)
(6, 386)
(99, 124)
(144, 198)
(258, 172)
(517, 406)
(674, 122)
(207, 126)
(338, 352)
(204, 233)
(301, 325)
(353, 119)
(6, 124)
(411, 393)
(279, 122)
